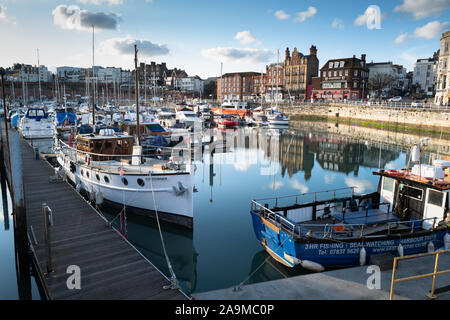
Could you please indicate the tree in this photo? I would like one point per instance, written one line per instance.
(380, 81)
(210, 89)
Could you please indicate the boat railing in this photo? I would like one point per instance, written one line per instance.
(328, 195)
(179, 156)
(301, 230)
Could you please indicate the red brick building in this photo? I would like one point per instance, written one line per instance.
(342, 79)
(237, 86)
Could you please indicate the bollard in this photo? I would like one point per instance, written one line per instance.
(48, 222)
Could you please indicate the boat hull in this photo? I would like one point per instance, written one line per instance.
(330, 253)
(164, 198)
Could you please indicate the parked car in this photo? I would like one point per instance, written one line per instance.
(395, 99)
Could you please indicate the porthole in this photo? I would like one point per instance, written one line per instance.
(87, 174)
(141, 182)
(106, 179)
(82, 172)
(98, 177)
(125, 181)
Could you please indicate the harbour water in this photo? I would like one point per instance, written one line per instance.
(222, 251)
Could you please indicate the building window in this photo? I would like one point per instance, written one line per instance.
(346, 73)
(356, 73)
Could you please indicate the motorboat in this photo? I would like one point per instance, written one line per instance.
(36, 124)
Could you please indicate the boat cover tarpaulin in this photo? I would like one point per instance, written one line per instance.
(62, 117)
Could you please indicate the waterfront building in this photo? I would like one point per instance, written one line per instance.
(443, 72)
(398, 82)
(273, 82)
(29, 73)
(190, 84)
(345, 78)
(424, 74)
(299, 71)
(237, 86)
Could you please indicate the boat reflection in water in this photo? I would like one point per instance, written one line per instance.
(144, 235)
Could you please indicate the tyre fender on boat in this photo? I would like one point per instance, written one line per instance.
(447, 241)
(400, 250)
(362, 256)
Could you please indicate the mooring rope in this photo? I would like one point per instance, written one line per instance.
(173, 279)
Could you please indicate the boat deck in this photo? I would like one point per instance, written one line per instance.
(111, 268)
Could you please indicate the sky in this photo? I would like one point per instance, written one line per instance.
(199, 35)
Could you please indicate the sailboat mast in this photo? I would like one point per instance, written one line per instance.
(39, 79)
(93, 83)
(138, 129)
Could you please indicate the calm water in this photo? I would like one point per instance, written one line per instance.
(222, 250)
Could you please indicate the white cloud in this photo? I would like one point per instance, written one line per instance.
(239, 55)
(99, 2)
(338, 24)
(245, 37)
(420, 9)
(125, 46)
(431, 30)
(300, 187)
(3, 17)
(276, 185)
(281, 15)
(328, 179)
(361, 185)
(302, 16)
(401, 38)
(73, 18)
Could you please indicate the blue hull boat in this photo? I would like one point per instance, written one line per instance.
(338, 228)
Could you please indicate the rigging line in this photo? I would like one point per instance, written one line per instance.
(173, 280)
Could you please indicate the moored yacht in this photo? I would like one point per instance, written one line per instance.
(110, 169)
(36, 124)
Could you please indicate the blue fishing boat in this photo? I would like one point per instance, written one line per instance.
(408, 214)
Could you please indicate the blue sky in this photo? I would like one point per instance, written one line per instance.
(197, 35)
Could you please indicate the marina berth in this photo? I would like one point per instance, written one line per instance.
(408, 214)
(111, 170)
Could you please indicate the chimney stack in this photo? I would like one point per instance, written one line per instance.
(363, 57)
(288, 54)
(313, 50)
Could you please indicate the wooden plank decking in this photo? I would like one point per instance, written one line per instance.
(111, 268)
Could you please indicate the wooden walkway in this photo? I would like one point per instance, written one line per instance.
(111, 268)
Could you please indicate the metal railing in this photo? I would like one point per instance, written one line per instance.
(314, 196)
(329, 230)
(434, 274)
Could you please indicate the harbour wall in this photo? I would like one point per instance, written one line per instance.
(433, 119)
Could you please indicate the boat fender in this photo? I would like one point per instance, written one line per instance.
(430, 247)
(362, 256)
(313, 266)
(78, 187)
(98, 198)
(400, 250)
(447, 241)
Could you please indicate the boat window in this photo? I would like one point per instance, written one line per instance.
(106, 179)
(87, 174)
(388, 184)
(82, 172)
(155, 128)
(108, 144)
(98, 177)
(125, 181)
(411, 192)
(140, 182)
(435, 197)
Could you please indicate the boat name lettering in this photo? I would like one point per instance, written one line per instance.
(153, 178)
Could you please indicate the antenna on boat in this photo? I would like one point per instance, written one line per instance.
(138, 131)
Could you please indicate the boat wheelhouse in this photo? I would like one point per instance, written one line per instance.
(408, 214)
(233, 107)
